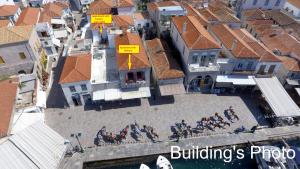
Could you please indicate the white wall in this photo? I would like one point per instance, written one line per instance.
(6, 2)
(68, 94)
(249, 4)
(292, 9)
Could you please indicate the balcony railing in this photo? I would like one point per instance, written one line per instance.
(198, 68)
(243, 72)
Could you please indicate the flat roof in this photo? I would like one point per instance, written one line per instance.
(236, 79)
(37, 146)
(277, 97)
(104, 67)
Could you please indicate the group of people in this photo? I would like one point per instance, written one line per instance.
(182, 130)
(212, 122)
(105, 136)
(109, 137)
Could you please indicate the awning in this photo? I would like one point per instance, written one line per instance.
(298, 91)
(98, 95)
(140, 93)
(58, 21)
(112, 94)
(56, 42)
(236, 80)
(60, 33)
(293, 82)
(171, 89)
(277, 97)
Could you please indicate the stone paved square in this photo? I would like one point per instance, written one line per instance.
(161, 114)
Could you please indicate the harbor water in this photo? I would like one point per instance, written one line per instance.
(245, 163)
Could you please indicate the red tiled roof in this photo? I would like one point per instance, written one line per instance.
(164, 65)
(152, 6)
(105, 6)
(8, 10)
(283, 42)
(227, 37)
(260, 49)
(123, 20)
(76, 68)
(290, 64)
(191, 11)
(8, 90)
(139, 60)
(51, 10)
(4, 23)
(195, 36)
(28, 16)
(296, 3)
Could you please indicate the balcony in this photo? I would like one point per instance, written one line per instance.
(198, 68)
(137, 84)
(243, 72)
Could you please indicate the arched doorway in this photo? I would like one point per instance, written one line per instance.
(194, 85)
(21, 72)
(201, 84)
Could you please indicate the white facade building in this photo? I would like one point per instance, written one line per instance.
(293, 7)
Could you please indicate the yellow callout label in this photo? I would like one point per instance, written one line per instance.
(129, 49)
(101, 19)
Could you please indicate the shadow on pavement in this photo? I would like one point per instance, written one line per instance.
(56, 98)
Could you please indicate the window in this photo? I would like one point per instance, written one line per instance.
(83, 87)
(130, 77)
(22, 55)
(211, 58)
(267, 2)
(240, 65)
(1, 60)
(72, 88)
(195, 58)
(203, 59)
(254, 2)
(277, 3)
(140, 76)
(249, 66)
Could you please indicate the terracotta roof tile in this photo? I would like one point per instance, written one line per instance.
(8, 90)
(265, 54)
(290, 64)
(165, 66)
(208, 15)
(76, 68)
(195, 36)
(28, 16)
(4, 23)
(15, 34)
(296, 3)
(279, 17)
(283, 42)
(51, 10)
(105, 6)
(254, 14)
(191, 11)
(8, 10)
(238, 47)
(139, 60)
(123, 20)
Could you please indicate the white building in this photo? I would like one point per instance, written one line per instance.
(10, 12)
(162, 12)
(241, 5)
(293, 7)
(75, 79)
(245, 57)
(199, 52)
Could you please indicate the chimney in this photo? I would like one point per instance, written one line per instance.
(184, 27)
(234, 43)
